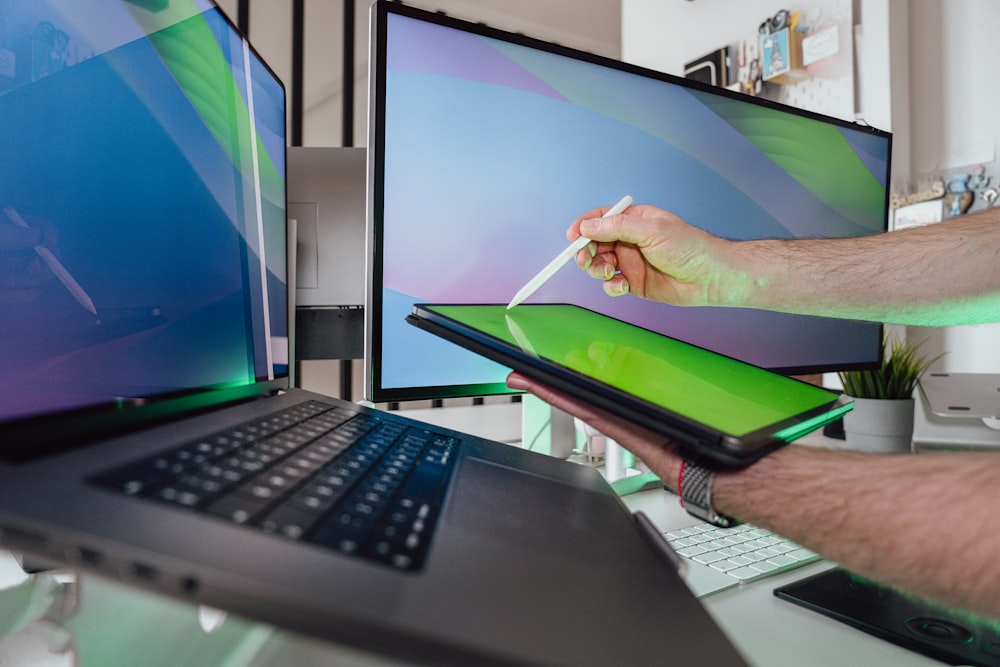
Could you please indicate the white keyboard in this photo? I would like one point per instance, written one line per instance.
(739, 554)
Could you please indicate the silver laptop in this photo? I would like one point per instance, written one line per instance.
(148, 431)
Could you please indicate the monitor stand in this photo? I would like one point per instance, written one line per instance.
(556, 433)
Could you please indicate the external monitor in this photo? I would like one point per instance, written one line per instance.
(484, 146)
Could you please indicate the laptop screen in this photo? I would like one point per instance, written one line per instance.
(142, 207)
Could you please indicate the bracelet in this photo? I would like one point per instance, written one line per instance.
(694, 486)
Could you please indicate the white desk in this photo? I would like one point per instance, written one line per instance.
(115, 624)
(769, 631)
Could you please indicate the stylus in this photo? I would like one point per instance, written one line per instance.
(563, 257)
(55, 265)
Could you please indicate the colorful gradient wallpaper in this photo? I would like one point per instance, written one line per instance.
(147, 151)
(491, 149)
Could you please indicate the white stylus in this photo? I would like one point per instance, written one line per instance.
(562, 258)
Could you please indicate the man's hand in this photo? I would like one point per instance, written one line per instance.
(655, 255)
(659, 454)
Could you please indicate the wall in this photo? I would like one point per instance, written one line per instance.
(954, 98)
(953, 83)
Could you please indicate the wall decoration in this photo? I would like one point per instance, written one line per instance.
(781, 48)
(781, 57)
(958, 192)
(959, 199)
(820, 47)
(936, 190)
(748, 80)
(825, 85)
(989, 195)
(917, 215)
(712, 68)
(826, 51)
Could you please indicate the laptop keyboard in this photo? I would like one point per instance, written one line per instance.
(317, 473)
(743, 552)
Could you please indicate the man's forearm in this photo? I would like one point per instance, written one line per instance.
(938, 275)
(919, 523)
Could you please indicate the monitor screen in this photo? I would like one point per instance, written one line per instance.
(485, 145)
(146, 153)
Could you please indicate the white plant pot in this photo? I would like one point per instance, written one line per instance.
(880, 426)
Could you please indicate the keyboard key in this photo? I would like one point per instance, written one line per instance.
(708, 557)
(724, 565)
(692, 551)
(765, 566)
(744, 573)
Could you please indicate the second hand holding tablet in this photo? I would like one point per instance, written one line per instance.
(563, 257)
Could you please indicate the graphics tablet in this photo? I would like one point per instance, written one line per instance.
(718, 409)
(950, 636)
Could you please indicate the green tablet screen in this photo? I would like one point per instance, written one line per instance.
(728, 395)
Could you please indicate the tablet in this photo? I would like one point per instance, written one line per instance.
(717, 409)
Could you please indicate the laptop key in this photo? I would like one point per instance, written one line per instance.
(288, 520)
(134, 479)
(237, 507)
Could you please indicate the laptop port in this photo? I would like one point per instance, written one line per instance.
(144, 572)
(85, 556)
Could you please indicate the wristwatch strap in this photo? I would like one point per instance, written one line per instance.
(694, 485)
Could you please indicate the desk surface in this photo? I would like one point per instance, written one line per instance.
(57, 621)
(770, 631)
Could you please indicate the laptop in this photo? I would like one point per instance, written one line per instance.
(716, 408)
(149, 433)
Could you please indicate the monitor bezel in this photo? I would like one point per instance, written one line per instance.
(374, 391)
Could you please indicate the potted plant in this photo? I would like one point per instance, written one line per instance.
(882, 418)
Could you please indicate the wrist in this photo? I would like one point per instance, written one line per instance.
(740, 275)
(752, 492)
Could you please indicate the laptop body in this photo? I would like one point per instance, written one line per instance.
(146, 312)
